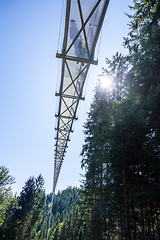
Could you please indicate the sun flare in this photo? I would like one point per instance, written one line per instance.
(105, 80)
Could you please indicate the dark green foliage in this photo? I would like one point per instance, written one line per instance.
(30, 203)
(73, 227)
(121, 158)
(7, 201)
(22, 212)
(6, 181)
(63, 205)
(27, 216)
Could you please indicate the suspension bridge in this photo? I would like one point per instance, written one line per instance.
(83, 22)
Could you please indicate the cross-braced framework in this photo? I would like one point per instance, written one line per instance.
(83, 23)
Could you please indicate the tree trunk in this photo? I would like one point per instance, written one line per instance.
(142, 221)
(134, 221)
(158, 224)
(152, 219)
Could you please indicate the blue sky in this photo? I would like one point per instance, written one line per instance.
(29, 77)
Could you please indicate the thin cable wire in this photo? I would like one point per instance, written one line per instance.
(60, 27)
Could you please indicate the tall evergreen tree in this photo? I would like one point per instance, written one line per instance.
(122, 136)
(30, 203)
(6, 198)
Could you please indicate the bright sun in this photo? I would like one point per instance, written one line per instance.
(105, 80)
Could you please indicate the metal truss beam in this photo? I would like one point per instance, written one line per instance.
(69, 96)
(72, 58)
